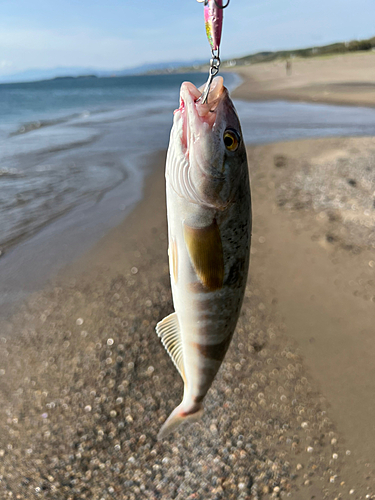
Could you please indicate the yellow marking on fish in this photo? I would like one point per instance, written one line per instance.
(206, 254)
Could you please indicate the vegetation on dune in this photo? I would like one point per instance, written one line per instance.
(334, 48)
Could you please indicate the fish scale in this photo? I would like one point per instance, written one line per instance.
(209, 229)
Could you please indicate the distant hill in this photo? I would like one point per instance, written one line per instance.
(74, 72)
(180, 66)
(334, 48)
(266, 56)
(30, 75)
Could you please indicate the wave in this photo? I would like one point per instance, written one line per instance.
(37, 124)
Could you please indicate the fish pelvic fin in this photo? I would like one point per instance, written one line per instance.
(168, 330)
(179, 416)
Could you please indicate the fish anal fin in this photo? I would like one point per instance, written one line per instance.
(168, 330)
(206, 254)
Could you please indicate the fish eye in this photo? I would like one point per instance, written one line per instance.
(231, 140)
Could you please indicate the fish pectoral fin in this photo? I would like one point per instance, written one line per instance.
(206, 254)
(168, 330)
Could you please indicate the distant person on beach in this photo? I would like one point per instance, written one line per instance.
(288, 67)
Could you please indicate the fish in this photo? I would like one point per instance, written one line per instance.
(209, 233)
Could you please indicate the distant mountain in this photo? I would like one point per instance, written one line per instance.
(48, 74)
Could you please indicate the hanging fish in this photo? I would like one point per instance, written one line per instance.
(209, 229)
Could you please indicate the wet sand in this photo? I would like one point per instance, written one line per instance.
(347, 79)
(86, 383)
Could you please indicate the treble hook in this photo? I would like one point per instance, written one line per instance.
(214, 70)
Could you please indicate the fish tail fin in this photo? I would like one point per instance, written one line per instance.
(180, 415)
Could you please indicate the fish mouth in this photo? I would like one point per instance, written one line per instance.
(198, 118)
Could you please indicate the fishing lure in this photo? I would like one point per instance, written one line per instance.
(213, 19)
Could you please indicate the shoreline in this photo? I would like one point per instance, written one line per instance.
(63, 195)
(34, 261)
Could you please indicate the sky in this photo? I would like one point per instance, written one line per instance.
(117, 34)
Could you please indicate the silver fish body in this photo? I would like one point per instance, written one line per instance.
(209, 231)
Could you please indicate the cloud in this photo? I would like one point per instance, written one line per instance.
(5, 64)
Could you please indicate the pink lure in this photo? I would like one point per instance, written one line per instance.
(213, 18)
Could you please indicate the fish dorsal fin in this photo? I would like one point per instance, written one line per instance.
(206, 254)
(168, 329)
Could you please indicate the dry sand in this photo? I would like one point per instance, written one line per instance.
(345, 79)
(86, 384)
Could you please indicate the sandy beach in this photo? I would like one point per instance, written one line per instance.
(344, 79)
(86, 383)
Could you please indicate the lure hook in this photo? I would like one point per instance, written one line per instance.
(214, 70)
